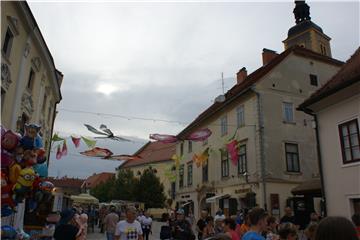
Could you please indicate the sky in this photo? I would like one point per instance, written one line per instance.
(162, 61)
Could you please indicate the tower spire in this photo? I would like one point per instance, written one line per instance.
(301, 12)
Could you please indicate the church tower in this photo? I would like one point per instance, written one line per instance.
(306, 33)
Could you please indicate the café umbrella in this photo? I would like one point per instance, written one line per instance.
(84, 198)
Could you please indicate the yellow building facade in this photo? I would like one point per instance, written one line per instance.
(276, 145)
(30, 83)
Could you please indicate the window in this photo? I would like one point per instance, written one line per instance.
(322, 49)
(240, 116)
(224, 163)
(31, 79)
(313, 80)
(242, 168)
(349, 136)
(189, 146)
(223, 123)
(181, 176)
(181, 148)
(288, 112)
(189, 174)
(292, 157)
(6, 49)
(205, 171)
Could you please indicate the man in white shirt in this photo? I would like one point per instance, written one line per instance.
(129, 229)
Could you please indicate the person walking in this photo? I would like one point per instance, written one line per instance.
(288, 217)
(356, 220)
(271, 231)
(109, 222)
(201, 223)
(146, 224)
(209, 229)
(182, 229)
(258, 224)
(243, 228)
(129, 229)
(229, 228)
(287, 231)
(66, 228)
(102, 213)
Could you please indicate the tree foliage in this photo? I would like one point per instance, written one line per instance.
(150, 190)
(147, 189)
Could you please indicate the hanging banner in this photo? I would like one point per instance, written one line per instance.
(199, 135)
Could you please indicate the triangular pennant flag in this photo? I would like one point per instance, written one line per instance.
(89, 142)
(76, 141)
(56, 138)
(58, 153)
(64, 150)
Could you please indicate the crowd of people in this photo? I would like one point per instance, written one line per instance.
(256, 224)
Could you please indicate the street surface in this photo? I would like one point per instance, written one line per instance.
(102, 236)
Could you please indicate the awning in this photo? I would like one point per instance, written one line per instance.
(214, 198)
(312, 187)
(84, 198)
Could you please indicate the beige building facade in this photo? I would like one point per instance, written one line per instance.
(277, 146)
(337, 109)
(30, 83)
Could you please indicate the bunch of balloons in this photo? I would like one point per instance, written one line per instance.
(23, 167)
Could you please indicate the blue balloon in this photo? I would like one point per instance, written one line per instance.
(8, 232)
(38, 142)
(41, 169)
(6, 211)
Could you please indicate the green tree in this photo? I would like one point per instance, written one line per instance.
(150, 190)
(102, 191)
(124, 187)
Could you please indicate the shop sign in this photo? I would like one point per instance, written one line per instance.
(245, 190)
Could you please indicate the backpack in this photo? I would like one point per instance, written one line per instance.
(165, 232)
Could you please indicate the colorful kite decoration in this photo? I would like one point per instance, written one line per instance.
(125, 157)
(200, 135)
(98, 152)
(164, 138)
(201, 159)
(107, 133)
(232, 148)
(76, 141)
(177, 160)
(170, 173)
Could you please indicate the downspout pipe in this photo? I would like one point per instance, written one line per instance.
(261, 143)
(318, 149)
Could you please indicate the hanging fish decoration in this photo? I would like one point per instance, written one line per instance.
(164, 138)
(200, 135)
(98, 152)
(125, 157)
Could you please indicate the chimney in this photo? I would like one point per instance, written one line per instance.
(268, 55)
(241, 75)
